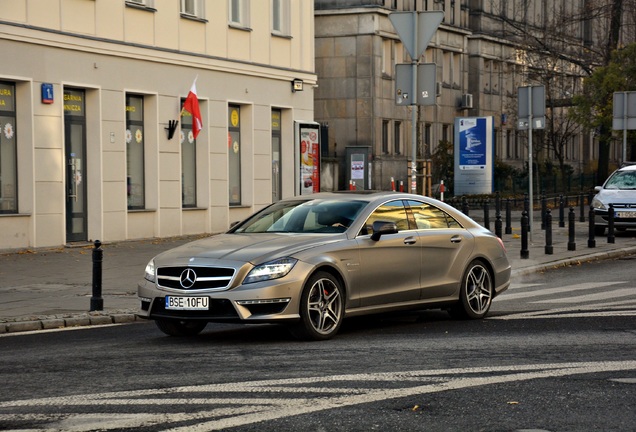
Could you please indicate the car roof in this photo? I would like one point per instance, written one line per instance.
(631, 167)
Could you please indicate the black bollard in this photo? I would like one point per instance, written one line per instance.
(464, 206)
(497, 203)
(498, 225)
(544, 206)
(610, 224)
(525, 253)
(486, 215)
(561, 212)
(591, 240)
(582, 208)
(508, 217)
(549, 249)
(97, 302)
(526, 203)
(571, 220)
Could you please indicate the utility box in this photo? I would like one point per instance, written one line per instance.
(358, 168)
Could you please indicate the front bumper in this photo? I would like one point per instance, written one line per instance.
(622, 218)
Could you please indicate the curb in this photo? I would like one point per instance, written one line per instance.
(83, 319)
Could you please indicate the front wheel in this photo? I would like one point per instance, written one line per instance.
(173, 327)
(475, 293)
(321, 308)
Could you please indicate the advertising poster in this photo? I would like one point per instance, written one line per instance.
(474, 159)
(309, 159)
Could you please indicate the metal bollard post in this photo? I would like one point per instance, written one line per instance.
(571, 219)
(497, 202)
(610, 224)
(544, 206)
(498, 225)
(525, 253)
(561, 212)
(508, 217)
(526, 203)
(97, 302)
(591, 240)
(464, 206)
(486, 215)
(582, 208)
(549, 249)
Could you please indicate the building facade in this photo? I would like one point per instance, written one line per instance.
(93, 142)
(482, 53)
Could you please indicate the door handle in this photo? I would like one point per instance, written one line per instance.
(456, 239)
(409, 240)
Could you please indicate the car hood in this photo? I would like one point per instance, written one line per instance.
(254, 248)
(610, 196)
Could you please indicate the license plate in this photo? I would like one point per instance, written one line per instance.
(626, 214)
(187, 303)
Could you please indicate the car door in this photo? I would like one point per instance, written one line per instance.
(389, 267)
(446, 248)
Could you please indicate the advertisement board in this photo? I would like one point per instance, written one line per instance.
(307, 147)
(474, 155)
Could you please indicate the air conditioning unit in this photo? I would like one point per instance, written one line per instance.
(467, 101)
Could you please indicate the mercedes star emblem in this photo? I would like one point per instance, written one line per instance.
(188, 278)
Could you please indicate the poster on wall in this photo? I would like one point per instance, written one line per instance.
(308, 162)
(474, 158)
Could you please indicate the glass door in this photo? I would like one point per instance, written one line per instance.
(75, 159)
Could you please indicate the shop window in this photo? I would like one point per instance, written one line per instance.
(135, 138)
(188, 161)
(8, 150)
(234, 154)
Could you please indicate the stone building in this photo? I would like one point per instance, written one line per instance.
(93, 144)
(481, 57)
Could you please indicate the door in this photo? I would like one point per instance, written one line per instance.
(390, 267)
(75, 159)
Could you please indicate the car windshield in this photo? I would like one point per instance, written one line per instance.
(303, 216)
(622, 180)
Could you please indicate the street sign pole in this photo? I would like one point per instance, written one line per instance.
(530, 180)
(414, 61)
(415, 30)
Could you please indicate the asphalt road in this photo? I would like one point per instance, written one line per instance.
(558, 353)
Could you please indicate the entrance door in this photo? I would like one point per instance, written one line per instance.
(75, 159)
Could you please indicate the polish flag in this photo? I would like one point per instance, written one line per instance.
(191, 105)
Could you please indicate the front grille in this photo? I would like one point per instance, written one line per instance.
(197, 278)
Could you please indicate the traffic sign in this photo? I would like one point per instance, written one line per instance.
(624, 111)
(405, 24)
(426, 92)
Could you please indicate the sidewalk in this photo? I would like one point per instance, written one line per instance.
(52, 288)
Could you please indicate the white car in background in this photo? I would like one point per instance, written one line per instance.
(619, 190)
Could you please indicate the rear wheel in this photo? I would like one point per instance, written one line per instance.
(321, 308)
(173, 327)
(475, 293)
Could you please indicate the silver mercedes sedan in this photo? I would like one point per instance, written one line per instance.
(311, 261)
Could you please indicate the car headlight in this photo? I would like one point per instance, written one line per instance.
(150, 271)
(270, 270)
(597, 204)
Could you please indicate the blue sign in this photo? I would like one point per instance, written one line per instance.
(47, 93)
(474, 157)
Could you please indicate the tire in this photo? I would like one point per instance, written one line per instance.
(599, 230)
(173, 327)
(321, 308)
(475, 293)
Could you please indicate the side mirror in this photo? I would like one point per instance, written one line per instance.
(598, 188)
(381, 228)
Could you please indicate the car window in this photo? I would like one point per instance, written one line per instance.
(306, 216)
(430, 217)
(392, 211)
(622, 180)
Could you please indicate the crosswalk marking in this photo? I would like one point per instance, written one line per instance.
(593, 297)
(550, 291)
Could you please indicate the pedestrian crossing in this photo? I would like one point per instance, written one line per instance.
(586, 299)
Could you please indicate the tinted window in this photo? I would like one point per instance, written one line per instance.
(430, 217)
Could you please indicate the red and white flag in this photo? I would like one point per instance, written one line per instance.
(191, 105)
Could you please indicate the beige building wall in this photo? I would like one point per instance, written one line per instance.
(111, 48)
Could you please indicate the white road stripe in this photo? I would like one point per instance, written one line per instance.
(605, 295)
(247, 410)
(550, 291)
